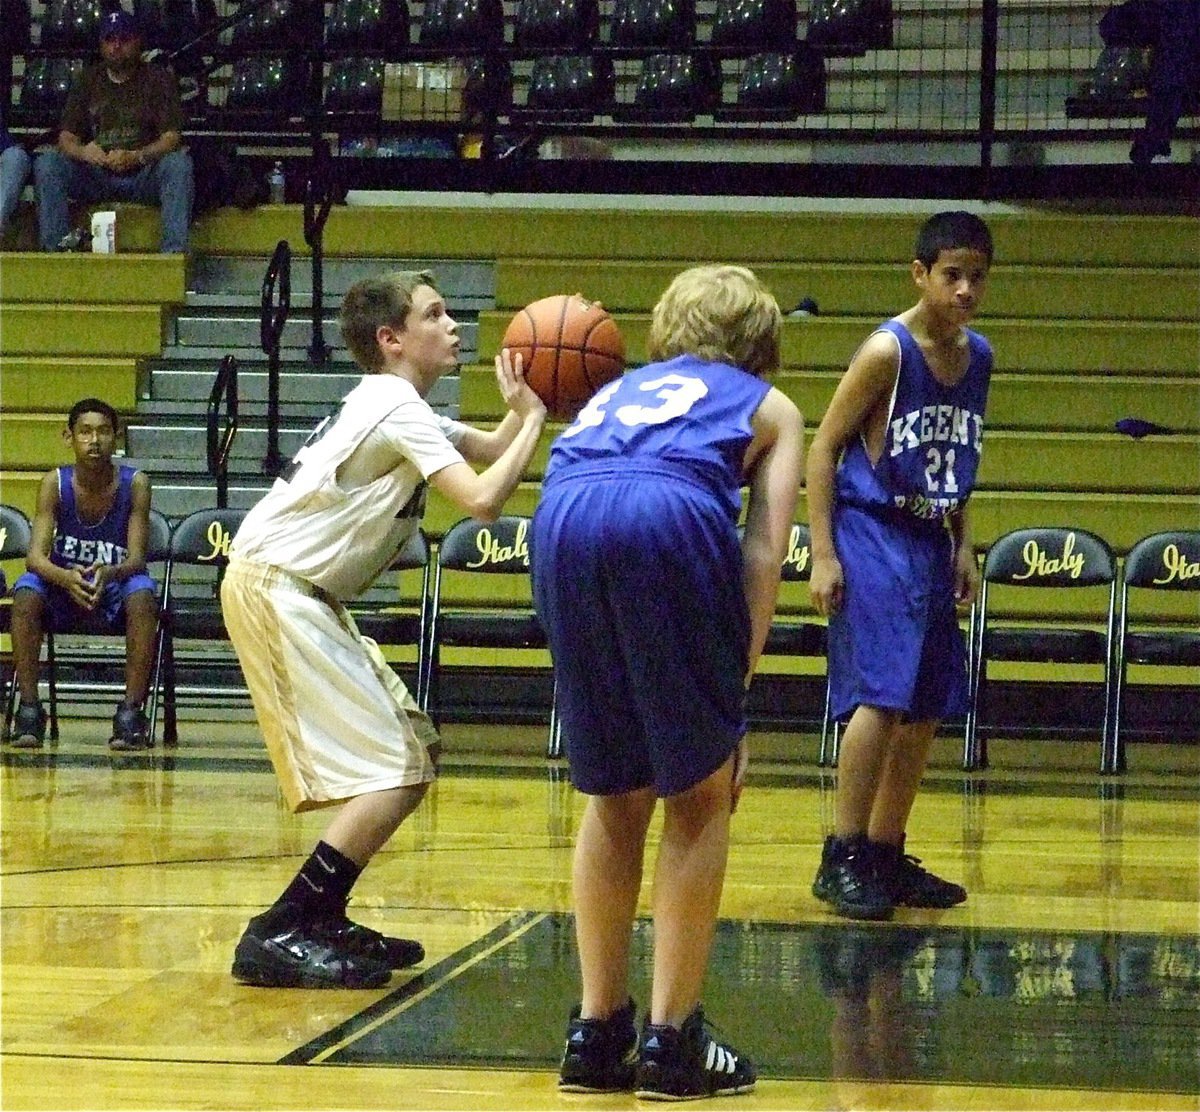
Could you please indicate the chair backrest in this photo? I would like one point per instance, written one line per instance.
(16, 532)
(862, 24)
(47, 82)
(73, 24)
(760, 24)
(278, 24)
(788, 83)
(415, 554)
(1050, 557)
(501, 546)
(678, 86)
(1167, 561)
(170, 24)
(203, 537)
(797, 564)
(158, 542)
(467, 25)
(15, 35)
(354, 85)
(665, 23)
(261, 84)
(572, 82)
(373, 24)
(562, 24)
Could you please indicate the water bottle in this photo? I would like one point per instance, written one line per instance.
(275, 184)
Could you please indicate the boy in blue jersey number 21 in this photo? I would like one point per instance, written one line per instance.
(889, 474)
(656, 615)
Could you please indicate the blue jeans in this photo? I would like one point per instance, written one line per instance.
(14, 173)
(167, 183)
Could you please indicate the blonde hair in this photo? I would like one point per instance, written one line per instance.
(720, 313)
(374, 302)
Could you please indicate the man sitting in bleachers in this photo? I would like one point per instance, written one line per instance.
(119, 140)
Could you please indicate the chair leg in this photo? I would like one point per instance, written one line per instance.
(52, 683)
(1112, 744)
(156, 681)
(10, 699)
(170, 724)
(554, 745)
(974, 746)
(823, 751)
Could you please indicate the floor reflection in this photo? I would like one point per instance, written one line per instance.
(879, 1002)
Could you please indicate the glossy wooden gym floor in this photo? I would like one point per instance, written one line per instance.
(1069, 980)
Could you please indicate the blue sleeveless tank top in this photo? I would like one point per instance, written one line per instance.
(686, 417)
(79, 544)
(932, 443)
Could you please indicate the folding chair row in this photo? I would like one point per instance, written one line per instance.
(1048, 558)
(1073, 559)
(504, 618)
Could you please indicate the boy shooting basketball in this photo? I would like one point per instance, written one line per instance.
(656, 615)
(890, 471)
(338, 723)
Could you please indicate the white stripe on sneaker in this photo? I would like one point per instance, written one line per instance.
(719, 1059)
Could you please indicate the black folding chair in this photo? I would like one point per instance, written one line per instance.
(1167, 561)
(400, 620)
(191, 604)
(1053, 559)
(474, 548)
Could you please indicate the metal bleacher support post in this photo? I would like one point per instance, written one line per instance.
(987, 93)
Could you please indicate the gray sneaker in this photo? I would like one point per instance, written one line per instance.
(130, 730)
(28, 729)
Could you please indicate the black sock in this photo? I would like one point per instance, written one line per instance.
(320, 890)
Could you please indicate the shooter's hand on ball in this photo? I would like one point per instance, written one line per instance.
(516, 392)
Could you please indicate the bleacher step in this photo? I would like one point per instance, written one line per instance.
(463, 282)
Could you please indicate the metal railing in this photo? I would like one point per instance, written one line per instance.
(273, 314)
(220, 441)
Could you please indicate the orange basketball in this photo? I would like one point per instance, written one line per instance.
(569, 347)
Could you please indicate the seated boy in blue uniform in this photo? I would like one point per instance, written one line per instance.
(87, 572)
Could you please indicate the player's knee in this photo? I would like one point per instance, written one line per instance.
(698, 803)
(27, 604)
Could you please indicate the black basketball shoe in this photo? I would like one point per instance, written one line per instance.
(395, 953)
(303, 956)
(849, 879)
(910, 883)
(601, 1054)
(687, 1063)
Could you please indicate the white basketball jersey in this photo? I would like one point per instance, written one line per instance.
(340, 535)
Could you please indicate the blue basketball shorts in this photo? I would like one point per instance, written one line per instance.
(638, 583)
(895, 644)
(62, 614)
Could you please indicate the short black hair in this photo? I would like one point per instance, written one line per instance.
(948, 231)
(92, 405)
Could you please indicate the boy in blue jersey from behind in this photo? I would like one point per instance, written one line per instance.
(656, 615)
(86, 571)
(890, 471)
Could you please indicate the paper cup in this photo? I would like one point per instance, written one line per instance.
(104, 233)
